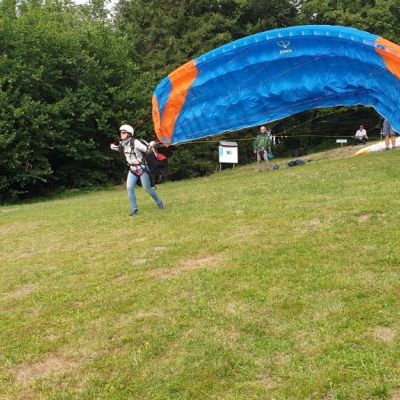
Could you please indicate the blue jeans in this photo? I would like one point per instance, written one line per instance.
(145, 180)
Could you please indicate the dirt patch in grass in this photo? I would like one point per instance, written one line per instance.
(364, 217)
(204, 262)
(21, 291)
(18, 228)
(227, 337)
(369, 276)
(281, 359)
(50, 267)
(8, 210)
(307, 226)
(139, 261)
(54, 364)
(149, 314)
(261, 381)
(395, 395)
(245, 233)
(159, 249)
(124, 278)
(312, 225)
(265, 381)
(235, 307)
(384, 334)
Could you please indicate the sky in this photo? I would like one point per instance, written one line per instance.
(109, 3)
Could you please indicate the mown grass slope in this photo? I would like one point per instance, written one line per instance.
(248, 286)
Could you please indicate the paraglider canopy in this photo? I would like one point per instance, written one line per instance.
(274, 74)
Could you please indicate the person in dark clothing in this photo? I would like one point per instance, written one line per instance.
(262, 148)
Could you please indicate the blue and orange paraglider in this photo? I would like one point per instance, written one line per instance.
(274, 74)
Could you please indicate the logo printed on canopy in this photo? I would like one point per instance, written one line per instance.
(285, 45)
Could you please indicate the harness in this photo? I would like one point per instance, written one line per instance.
(141, 165)
(147, 165)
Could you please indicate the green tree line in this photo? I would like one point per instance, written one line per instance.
(70, 75)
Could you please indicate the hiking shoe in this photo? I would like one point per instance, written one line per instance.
(161, 205)
(133, 212)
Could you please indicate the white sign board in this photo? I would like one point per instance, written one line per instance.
(341, 140)
(228, 152)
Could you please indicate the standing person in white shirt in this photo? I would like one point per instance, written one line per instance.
(134, 151)
(361, 134)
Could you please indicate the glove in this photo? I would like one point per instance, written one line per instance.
(114, 147)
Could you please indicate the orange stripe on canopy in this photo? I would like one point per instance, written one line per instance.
(181, 80)
(390, 54)
(156, 117)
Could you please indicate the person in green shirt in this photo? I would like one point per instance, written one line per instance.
(262, 147)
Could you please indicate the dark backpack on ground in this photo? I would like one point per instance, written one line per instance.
(294, 163)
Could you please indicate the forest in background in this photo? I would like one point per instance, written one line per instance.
(71, 74)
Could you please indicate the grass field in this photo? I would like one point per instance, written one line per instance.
(248, 286)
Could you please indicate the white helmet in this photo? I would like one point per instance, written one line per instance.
(127, 128)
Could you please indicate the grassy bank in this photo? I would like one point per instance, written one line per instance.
(248, 286)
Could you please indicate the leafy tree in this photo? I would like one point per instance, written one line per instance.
(376, 16)
(67, 81)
